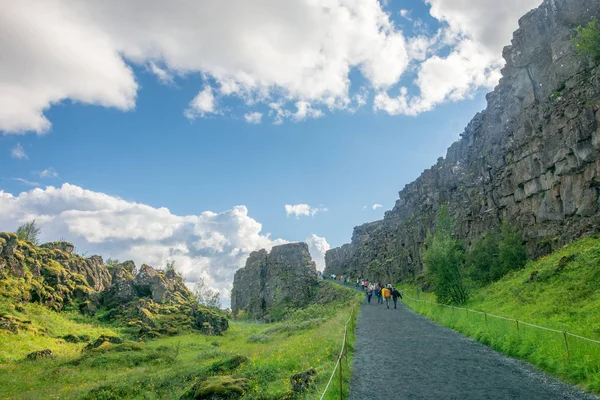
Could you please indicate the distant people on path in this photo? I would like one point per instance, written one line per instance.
(387, 295)
(378, 294)
(395, 295)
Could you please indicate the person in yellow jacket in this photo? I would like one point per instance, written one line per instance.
(387, 295)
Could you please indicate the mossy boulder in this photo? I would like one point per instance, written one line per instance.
(228, 364)
(102, 340)
(217, 388)
(38, 355)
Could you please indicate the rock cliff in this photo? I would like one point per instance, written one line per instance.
(151, 302)
(532, 157)
(285, 275)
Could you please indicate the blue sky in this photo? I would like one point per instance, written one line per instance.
(111, 122)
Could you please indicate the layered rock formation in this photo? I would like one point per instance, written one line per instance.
(532, 157)
(150, 301)
(286, 275)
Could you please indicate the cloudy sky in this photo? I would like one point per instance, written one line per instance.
(201, 131)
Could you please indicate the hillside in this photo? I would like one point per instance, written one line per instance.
(257, 360)
(560, 291)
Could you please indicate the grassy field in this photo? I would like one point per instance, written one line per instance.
(167, 367)
(560, 291)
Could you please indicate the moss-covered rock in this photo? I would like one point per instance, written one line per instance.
(149, 301)
(217, 388)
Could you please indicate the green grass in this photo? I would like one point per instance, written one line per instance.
(167, 367)
(564, 294)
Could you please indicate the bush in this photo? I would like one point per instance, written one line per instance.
(587, 40)
(28, 232)
(444, 258)
(493, 255)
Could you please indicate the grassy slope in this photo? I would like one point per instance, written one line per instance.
(564, 295)
(165, 368)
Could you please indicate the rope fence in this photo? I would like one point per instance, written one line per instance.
(517, 322)
(343, 352)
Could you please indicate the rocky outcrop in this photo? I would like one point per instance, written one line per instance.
(531, 158)
(149, 301)
(285, 275)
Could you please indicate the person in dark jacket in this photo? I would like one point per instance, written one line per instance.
(395, 295)
(369, 293)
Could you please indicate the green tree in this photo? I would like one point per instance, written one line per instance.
(587, 40)
(511, 252)
(206, 296)
(444, 259)
(29, 232)
(482, 258)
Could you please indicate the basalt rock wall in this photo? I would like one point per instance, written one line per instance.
(286, 275)
(532, 157)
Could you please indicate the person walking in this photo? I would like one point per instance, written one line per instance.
(395, 295)
(387, 295)
(369, 293)
(378, 294)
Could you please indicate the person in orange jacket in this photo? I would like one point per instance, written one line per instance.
(387, 295)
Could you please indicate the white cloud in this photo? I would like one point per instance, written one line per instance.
(296, 54)
(317, 246)
(302, 210)
(376, 206)
(25, 182)
(18, 152)
(253, 117)
(262, 50)
(49, 173)
(304, 110)
(203, 103)
(162, 74)
(209, 245)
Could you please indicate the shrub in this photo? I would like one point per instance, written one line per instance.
(493, 255)
(444, 258)
(511, 253)
(587, 40)
(29, 232)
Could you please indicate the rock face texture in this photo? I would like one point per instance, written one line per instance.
(149, 301)
(285, 275)
(532, 157)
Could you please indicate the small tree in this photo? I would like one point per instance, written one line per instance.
(206, 296)
(482, 258)
(444, 259)
(29, 232)
(511, 252)
(587, 40)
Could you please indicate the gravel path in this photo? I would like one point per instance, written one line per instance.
(402, 355)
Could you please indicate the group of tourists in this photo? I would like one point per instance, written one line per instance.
(383, 293)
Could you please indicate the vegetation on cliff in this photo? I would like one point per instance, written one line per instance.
(587, 40)
(453, 272)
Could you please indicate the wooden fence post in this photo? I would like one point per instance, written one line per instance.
(567, 346)
(341, 383)
(486, 324)
(517, 324)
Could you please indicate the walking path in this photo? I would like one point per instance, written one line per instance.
(402, 355)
